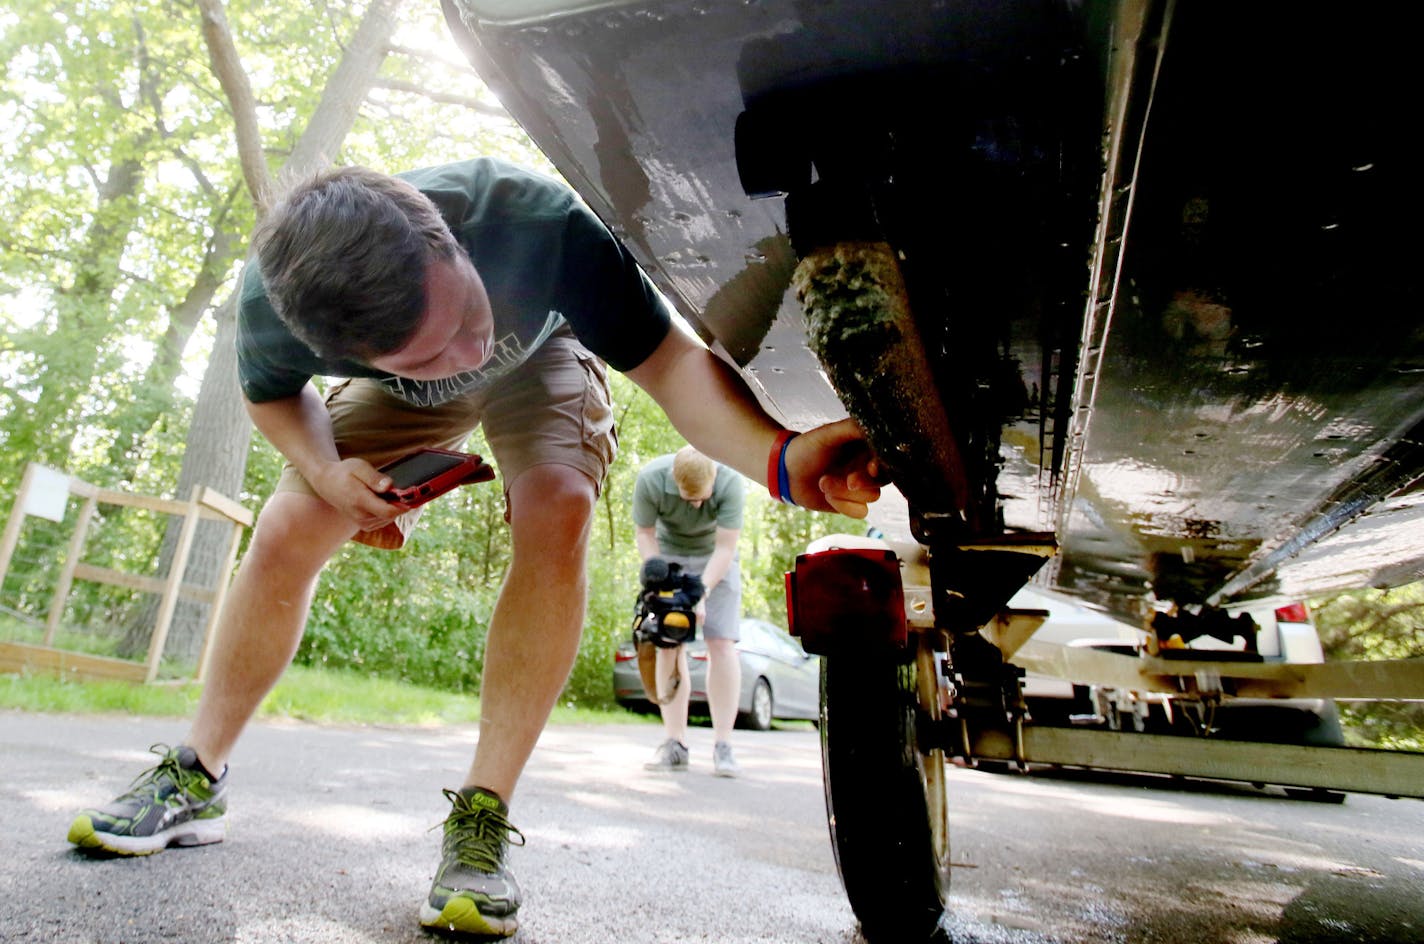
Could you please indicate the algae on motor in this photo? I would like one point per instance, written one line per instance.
(860, 327)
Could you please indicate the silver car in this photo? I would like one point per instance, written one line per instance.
(779, 680)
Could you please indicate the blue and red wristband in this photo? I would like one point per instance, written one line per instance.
(778, 480)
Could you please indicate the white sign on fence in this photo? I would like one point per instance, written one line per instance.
(48, 493)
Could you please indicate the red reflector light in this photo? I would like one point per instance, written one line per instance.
(849, 599)
(1295, 613)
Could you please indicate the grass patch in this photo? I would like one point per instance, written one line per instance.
(317, 695)
(54, 694)
(336, 697)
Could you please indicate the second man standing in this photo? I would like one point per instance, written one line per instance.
(688, 510)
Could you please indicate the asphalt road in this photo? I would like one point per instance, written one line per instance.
(330, 841)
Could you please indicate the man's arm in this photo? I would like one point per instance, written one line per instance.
(721, 560)
(831, 467)
(647, 542)
(301, 430)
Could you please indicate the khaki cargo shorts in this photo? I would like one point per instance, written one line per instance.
(554, 408)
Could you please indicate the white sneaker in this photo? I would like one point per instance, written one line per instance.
(723, 763)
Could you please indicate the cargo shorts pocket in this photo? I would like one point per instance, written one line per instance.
(600, 433)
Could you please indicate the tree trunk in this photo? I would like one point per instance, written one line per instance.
(216, 449)
(215, 456)
(156, 393)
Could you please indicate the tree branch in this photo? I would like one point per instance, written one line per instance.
(227, 66)
(444, 98)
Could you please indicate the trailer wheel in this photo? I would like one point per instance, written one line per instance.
(885, 799)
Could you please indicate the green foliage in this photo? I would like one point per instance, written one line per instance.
(110, 167)
(418, 615)
(1377, 624)
(47, 693)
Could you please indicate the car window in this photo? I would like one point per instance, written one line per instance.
(754, 637)
(790, 646)
(771, 639)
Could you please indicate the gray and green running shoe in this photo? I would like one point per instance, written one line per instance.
(473, 891)
(171, 803)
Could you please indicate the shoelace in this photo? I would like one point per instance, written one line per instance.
(478, 834)
(148, 783)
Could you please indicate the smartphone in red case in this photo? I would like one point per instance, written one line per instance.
(430, 473)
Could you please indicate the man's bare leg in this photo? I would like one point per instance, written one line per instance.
(537, 623)
(263, 617)
(675, 711)
(724, 686)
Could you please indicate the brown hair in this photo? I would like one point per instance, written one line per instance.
(343, 256)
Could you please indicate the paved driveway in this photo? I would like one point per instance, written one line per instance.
(330, 842)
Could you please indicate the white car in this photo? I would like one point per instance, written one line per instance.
(1284, 634)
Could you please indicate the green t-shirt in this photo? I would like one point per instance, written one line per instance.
(545, 260)
(682, 528)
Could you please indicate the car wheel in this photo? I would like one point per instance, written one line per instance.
(761, 713)
(885, 799)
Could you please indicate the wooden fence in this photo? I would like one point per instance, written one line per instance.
(39, 488)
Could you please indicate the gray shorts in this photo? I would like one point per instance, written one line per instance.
(724, 603)
(554, 408)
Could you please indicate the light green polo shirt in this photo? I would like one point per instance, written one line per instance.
(681, 528)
